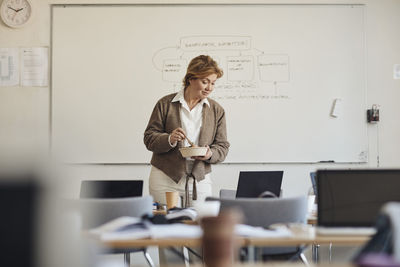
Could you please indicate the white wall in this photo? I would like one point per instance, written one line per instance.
(24, 111)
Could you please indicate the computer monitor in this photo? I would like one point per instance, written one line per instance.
(19, 200)
(254, 183)
(111, 188)
(355, 197)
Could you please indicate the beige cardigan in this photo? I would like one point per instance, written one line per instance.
(165, 118)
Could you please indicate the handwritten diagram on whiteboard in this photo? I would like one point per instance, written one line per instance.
(249, 72)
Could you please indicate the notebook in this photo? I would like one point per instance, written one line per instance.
(349, 201)
(254, 183)
(111, 188)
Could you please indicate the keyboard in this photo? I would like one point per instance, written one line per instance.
(361, 231)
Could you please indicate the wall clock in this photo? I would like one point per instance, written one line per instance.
(16, 13)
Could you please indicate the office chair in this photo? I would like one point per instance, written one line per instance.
(267, 211)
(386, 240)
(227, 193)
(392, 209)
(100, 208)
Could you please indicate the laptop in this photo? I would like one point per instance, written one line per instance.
(313, 176)
(349, 201)
(253, 183)
(111, 188)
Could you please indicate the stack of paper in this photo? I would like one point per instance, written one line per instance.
(252, 231)
(128, 228)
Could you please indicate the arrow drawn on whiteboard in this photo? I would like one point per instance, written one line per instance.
(259, 51)
(161, 53)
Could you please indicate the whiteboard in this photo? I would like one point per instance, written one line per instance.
(284, 67)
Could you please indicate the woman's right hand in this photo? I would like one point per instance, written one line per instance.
(177, 135)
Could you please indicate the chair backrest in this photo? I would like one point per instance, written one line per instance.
(266, 211)
(386, 240)
(227, 193)
(97, 211)
(111, 188)
(393, 210)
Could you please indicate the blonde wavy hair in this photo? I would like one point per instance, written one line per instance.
(201, 67)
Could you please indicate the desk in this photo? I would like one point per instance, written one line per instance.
(304, 240)
(299, 238)
(139, 243)
(242, 241)
(279, 264)
(312, 219)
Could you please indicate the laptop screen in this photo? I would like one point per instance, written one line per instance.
(253, 183)
(111, 188)
(354, 197)
(314, 182)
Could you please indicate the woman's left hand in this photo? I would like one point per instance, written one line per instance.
(206, 157)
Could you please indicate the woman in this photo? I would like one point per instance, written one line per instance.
(188, 113)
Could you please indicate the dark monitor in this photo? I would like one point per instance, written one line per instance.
(19, 209)
(254, 183)
(355, 197)
(111, 188)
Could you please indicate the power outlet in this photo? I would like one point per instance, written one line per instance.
(373, 114)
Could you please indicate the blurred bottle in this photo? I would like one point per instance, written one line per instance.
(219, 248)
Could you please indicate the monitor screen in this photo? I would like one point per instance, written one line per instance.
(111, 188)
(19, 200)
(254, 183)
(354, 197)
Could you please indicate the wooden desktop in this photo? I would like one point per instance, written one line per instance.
(300, 237)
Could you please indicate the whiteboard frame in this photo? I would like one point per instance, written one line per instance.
(53, 6)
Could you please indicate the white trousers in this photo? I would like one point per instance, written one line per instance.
(159, 183)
